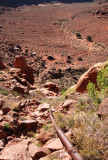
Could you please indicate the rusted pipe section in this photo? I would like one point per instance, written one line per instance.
(66, 143)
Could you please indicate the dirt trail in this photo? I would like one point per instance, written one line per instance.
(89, 50)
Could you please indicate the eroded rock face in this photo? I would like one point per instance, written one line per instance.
(90, 75)
(2, 65)
(25, 69)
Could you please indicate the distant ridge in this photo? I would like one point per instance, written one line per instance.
(16, 3)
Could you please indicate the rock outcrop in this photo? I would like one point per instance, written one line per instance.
(25, 69)
(90, 75)
(2, 65)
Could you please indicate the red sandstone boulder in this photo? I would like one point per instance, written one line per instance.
(5, 109)
(37, 152)
(2, 135)
(28, 125)
(67, 104)
(90, 75)
(25, 69)
(2, 65)
(43, 107)
(44, 137)
(52, 87)
(54, 144)
(16, 152)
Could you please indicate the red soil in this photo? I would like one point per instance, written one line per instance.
(50, 29)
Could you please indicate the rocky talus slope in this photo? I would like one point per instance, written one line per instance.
(26, 132)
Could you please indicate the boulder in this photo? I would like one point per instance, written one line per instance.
(43, 107)
(20, 88)
(2, 135)
(67, 103)
(1, 103)
(54, 144)
(37, 152)
(28, 125)
(2, 65)
(46, 92)
(55, 154)
(20, 62)
(56, 74)
(52, 87)
(16, 152)
(44, 137)
(90, 75)
(5, 109)
(103, 109)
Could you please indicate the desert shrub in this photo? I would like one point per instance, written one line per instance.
(102, 78)
(93, 93)
(89, 133)
(89, 38)
(102, 83)
(4, 92)
(7, 128)
(23, 118)
(31, 134)
(78, 35)
(61, 121)
(90, 136)
(63, 91)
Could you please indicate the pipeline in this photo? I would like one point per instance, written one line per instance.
(66, 143)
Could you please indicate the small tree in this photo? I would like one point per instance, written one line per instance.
(78, 35)
(89, 38)
(102, 84)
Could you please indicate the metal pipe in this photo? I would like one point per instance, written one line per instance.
(66, 143)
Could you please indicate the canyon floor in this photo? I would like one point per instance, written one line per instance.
(50, 30)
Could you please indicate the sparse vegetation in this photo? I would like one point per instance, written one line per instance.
(31, 134)
(7, 127)
(16, 107)
(102, 83)
(89, 136)
(89, 38)
(22, 118)
(4, 92)
(53, 157)
(78, 35)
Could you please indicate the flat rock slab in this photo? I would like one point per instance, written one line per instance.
(43, 107)
(37, 152)
(16, 151)
(54, 144)
(28, 125)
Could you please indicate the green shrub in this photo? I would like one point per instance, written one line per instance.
(7, 127)
(89, 38)
(78, 35)
(102, 83)
(102, 78)
(93, 93)
(61, 121)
